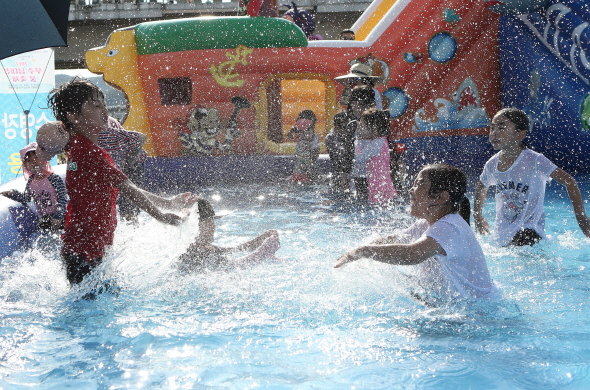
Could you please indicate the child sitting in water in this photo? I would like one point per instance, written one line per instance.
(371, 168)
(44, 187)
(441, 241)
(203, 255)
(307, 150)
(520, 175)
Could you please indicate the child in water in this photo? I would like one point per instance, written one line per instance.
(371, 168)
(44, 187)
(520, 175)
(203, 255)
(441, 241)
(93, 180)
(340, 145)
(307, 150)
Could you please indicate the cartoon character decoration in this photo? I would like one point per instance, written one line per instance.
(202, 133)
(464, 111)
(304, 20)
(511, 206)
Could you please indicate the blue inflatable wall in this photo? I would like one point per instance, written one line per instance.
(545, 72)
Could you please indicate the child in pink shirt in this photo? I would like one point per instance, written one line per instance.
(44, 188)
(372, 156)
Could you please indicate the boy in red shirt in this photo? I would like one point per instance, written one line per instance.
(93, 180)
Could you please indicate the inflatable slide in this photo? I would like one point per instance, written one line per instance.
(438, 63)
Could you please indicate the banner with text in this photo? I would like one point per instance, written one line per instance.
(25, 80)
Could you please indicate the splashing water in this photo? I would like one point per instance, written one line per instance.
(297, 324)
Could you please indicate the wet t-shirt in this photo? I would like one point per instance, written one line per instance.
(91, 218)
(520, 193)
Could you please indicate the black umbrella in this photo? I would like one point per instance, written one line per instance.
(27, 25)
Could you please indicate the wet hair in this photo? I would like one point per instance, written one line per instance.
(516, 116)
(377, 121)
(307, 114)
(445, 177)
(362, 94)
(28, 154)
(341, 120)
(69, 98)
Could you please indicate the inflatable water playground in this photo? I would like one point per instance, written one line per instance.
(300, 324)
(217, 96)
(446, 67)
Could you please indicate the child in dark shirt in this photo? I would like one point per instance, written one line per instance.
(93, 180)
(340, 145)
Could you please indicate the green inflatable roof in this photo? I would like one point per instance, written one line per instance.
(216, 33)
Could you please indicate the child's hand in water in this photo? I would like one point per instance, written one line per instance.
(8, 193)
(348, 257)
(481, 225)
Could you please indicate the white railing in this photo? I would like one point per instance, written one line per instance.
(135, 9)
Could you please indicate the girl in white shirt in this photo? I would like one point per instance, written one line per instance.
(441, 241)
(520, 176)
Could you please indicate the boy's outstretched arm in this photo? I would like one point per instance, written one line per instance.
(140, 198)
(177, 202)
(481, 225)
(575, 195)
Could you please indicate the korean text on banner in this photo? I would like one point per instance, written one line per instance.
(25, 80)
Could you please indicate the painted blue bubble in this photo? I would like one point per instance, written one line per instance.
(442, 47)
(409, 57)
(398, 101)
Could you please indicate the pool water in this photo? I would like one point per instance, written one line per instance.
(296, 323)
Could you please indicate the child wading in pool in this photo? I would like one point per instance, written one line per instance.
(340, 146)
(520, 176)
(203, 255)
(441, 241)
(372, 159)
(93, 180)
(43, 186)
(307, 150)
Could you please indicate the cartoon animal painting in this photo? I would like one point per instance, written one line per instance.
(117, 62)
(203, 133)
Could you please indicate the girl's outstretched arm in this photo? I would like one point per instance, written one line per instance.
(403, 254)
(481, 225)
(382, 240)
(575, 195)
